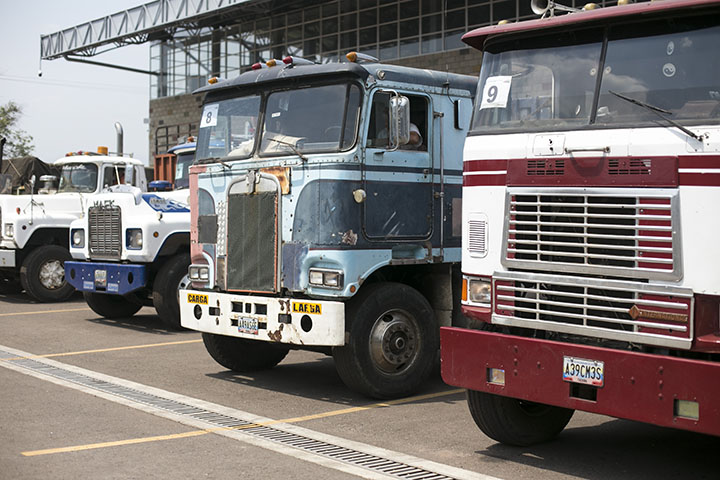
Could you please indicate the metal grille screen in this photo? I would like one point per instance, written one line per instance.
(251, 242)
(104, 225)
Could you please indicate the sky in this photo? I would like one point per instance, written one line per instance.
(72, 106)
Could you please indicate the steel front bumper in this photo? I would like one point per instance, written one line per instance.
(281, 320)
(114, 278)
(637, 386)
(7, 258)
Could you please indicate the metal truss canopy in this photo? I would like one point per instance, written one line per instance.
(131, 26)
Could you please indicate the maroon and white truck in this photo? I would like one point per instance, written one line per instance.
(590, 232)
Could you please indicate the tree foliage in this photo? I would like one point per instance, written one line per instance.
(18, 142)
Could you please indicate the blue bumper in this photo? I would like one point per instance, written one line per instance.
(114, 278)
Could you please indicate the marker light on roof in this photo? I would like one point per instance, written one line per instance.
(360, 57)
(258, 66)
(212, 80)
(290, 60)
(102, 150)
(590, 6)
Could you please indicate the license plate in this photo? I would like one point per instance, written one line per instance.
(101, 278)
(580, 370)
(248, 325)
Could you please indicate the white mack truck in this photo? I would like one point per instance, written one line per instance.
(590, 262)
(35, 227)
(325, 211)
(135, 247)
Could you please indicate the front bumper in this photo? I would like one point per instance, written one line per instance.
(120, 278)
(637, 386)
(7, 258)
(269, 319)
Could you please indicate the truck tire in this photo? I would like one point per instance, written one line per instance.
(173, 276)
(113, 306)
(42, 274)
(516, 422)
(393, 341)
(241, 355)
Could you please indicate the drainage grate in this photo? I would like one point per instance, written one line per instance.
(317, 447)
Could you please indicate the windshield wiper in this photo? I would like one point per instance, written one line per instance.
(220, 160)
(292, 147)
(659, 112)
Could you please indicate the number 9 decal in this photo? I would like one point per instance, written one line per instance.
(492, 93)
(496, 92)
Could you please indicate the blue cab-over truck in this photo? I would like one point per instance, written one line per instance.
(320, 221)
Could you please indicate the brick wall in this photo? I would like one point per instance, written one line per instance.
(178, 116)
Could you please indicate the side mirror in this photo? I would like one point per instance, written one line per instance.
(129, 174)
(399, 121)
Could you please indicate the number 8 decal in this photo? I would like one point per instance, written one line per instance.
(209, 115)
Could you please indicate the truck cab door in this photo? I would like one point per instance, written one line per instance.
(398, 182)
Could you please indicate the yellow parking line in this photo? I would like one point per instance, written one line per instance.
(44, 311)
(132, 441)
(103, 350)
(196, 433)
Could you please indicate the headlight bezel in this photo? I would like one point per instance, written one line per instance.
(199, 273)
(326, 278)
(9, 230)
(77, 238)
(134, 238)
(479, 291)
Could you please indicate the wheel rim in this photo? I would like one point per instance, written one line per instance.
(184, 283)
(52, 274)
(395, 342)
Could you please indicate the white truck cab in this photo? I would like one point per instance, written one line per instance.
(132, 248)
(35, 227)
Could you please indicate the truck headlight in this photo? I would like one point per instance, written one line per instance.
(322, 277)
(480, 291)
(9, 231)
(134, 238)
(77, 237)
(199, 273)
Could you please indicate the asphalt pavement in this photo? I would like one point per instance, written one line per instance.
(86, 397)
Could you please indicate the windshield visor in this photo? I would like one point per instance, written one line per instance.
(77, 177)
(227, 128)
(314, 119)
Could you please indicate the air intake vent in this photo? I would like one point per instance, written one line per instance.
(622, 233)
(477, 235)
(619, 310)
(545, 167)
(629, 166)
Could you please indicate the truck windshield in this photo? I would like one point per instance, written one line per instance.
(314, 119)
(78, 177)
(182, 176)
(227, 128)
(551, 82)
(304, 120)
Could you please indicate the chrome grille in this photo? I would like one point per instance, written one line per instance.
(604, 232)
(104, 227)
(609, 309)
(252, 242)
